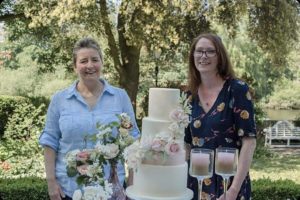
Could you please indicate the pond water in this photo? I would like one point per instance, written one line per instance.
(282, 114)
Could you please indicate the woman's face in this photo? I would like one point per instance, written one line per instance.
(205, 56)
(88, 64)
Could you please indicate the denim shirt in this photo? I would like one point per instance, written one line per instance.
(70, 119)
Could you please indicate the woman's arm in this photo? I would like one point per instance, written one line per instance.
(245, 159)
(54, 189)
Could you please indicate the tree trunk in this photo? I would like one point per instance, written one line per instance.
(130, 71)
(126, 58)
(130, 68)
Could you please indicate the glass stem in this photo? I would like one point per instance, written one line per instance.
(225, 181)
(200, 181)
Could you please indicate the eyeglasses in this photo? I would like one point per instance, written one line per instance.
(208, 53)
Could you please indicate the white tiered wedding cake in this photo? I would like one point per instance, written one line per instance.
(161, 173)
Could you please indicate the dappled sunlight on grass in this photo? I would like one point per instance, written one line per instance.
(280, 166)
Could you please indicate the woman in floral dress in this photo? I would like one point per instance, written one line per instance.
(222, 116)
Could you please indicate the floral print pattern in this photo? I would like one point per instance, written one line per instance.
(229, 120)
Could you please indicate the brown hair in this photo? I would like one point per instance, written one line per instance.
(224, 65)
(86, 43)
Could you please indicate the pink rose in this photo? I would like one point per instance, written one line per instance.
(82, 169)
(157, 145)
(127, 125)
(83, 156)
(172, 148)
(177, 115)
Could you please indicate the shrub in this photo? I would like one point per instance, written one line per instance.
(266, 189)
(7, 107)
(23, 189)
(262, 152)
(20, 154)
(32, 188)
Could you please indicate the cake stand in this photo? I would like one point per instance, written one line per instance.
(188, 195)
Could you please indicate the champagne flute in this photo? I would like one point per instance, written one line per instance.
(226, 164)
(202, 162)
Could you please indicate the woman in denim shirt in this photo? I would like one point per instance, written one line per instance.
(74, 112)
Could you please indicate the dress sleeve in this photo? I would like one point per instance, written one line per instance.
(51, 133)
(243, 110)
(127, 108)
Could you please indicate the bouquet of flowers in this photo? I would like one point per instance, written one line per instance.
(164, 144)
(87, 164)
(110, 146)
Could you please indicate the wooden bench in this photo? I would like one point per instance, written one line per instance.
(282, 134)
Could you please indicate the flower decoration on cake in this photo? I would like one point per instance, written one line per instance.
(87, 164)
(163, 144)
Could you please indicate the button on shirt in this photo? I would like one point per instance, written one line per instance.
(70, 119)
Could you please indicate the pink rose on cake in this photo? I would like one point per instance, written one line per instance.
(158, 144)
(172, 147)
(180, 117)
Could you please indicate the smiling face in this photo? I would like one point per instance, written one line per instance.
(205, 56)
(88, 64)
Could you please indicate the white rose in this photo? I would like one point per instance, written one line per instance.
(90, 192)
(77, 195)
(111, 151)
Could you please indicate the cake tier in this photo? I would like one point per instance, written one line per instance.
(160, 181)
(152, 127)
(162, 101)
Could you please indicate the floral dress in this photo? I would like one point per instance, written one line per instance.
(229, 120)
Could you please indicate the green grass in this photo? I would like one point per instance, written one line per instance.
(277, 166)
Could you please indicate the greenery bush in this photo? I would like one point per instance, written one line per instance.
(7, 107)
(266, 189)
(20, 154)
(262, 152)
(23, 189)
(32, 188)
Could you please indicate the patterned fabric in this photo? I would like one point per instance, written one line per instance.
(229, 120)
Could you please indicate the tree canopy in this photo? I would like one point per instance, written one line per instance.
(127, 26)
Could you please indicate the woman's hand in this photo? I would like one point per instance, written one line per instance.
(54, 190)
(231, 194)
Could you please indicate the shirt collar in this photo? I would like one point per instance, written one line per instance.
(72, 91)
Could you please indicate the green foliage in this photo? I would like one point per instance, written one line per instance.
(262, 152)
(33, 85)
(30, 188)
(7, 107)
(269, 20)
(36, 189)
(19, 148)
(266, 189)
(286, 95)
(297, 121)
